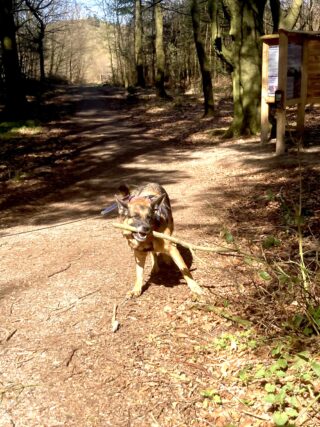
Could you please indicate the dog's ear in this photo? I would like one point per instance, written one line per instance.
(157, 202)
(126, 189)
(122, 206)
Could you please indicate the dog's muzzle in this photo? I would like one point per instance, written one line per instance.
(143, 231)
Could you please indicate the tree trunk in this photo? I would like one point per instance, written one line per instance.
(15, 100)
(39, 37)
(244, 56)
(160, 56)
(203, 61)
(275, 8)
(140, 80)
(288, 22)
(41, 51)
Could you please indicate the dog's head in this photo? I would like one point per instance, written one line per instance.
(141, 213)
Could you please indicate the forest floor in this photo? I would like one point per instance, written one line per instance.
(247, 356)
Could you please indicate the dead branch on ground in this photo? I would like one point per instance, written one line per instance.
(191, 246)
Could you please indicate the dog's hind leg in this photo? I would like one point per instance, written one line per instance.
(140, 259)
(177, 258)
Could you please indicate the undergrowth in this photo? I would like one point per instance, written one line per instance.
(281, 388)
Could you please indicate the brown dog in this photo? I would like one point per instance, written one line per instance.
(147, 208)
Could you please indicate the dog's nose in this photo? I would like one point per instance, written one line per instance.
(144, 229)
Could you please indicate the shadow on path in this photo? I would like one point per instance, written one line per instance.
(97, 146)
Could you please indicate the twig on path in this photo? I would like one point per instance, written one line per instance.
(8, 334)
(222, 313)
(15, 387)
(305, 411)
(68, 361)
(11, 335)
(60, 271)
(74, 303)
(114, 323)
(89, 294)
(258, 417)
(191, 246)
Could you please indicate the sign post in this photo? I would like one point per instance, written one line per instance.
(290, 76)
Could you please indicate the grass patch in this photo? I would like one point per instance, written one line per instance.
(10, 130)
(282, 387)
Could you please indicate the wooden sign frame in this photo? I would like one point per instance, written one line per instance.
(290, 65)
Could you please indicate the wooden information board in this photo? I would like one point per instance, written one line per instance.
(290, 66)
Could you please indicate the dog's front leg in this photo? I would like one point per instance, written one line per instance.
(177, 258)
(140, 259)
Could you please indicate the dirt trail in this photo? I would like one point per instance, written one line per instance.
(60, 363)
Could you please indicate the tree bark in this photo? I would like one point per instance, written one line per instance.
(15, 100)
(244, 56)
(203, 61)
(160, 55)
(275, 8)
(138, 45)
(41, 52)
(288, 22)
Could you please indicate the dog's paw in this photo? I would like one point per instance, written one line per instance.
(203, 298)
(134, 293)
(195, 288)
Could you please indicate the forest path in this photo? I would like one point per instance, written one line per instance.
(60, 363)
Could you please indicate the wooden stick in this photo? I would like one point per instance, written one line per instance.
(114, 322)
(178, 241)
